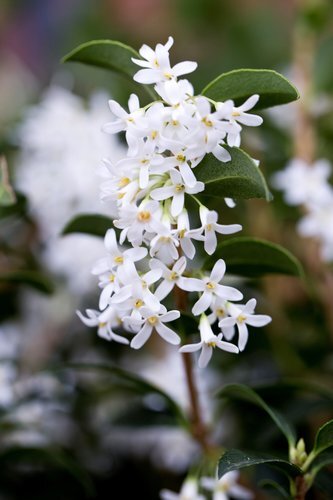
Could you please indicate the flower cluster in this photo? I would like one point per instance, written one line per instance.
(308, 186)
(149, 253)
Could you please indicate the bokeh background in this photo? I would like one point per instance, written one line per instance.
(69, 433)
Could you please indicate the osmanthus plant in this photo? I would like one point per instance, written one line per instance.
(183, 151)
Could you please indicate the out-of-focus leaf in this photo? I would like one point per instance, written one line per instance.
(34, 279)
(254, 257)
(135, 383)
(42, 456)
(238, 178)
(244, 393)
(17, 209)
(237, 459)
(324, 437)
(240, 84)
(7, 195)
(94, 224)
(322, 460)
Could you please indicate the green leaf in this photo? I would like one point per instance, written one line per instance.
(322, 460)
(135, 383)
(108, 54)
(237, 459)
(93, 224)
(324, 437)
(244, 393)
(274, 488)
(17, 209)
(7, 195)
(34, 279)
(43, 457)
(238, 178)
(240, 84)
(254, 257)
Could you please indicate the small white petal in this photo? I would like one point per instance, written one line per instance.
(205, 356)
(141, 338)
(167, 334)
(191, 347)
(202, 304)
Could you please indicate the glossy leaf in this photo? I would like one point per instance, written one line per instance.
(132, 381)
(94, 224)
(274, 488)
(108, 54)
(34, 279)
(254, 257)
(237, 459)
(324, 437)
(244, 393)
(238, 178)
(240, 84)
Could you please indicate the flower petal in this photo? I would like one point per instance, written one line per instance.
(141, 338)
(167, 334)
(205, 355)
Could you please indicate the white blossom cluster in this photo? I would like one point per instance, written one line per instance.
(308, 186)
(221, 489)
(60, 142)
(152, 254)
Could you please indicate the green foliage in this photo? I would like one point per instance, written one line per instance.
(94, 224)
(7, 195)
(236, 459)
(34, 279)
(238, 85)
(244, 393)
(238, 178)
(254, 257)
(134, 383)
(324, 437)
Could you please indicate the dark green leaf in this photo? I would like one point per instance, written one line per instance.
(134, 382)
(238, 85)
(244, 393)
(108, 54)
(18, 209)
(274, 488)
(253, 257)
(322, 460)
(93, 224)
(236, 459)
(324, 437)
(51, 457)
(34, 279)
(238, 178)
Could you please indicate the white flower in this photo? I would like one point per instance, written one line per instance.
(185, 234)
(210, 287)
(210, 227)
(238, 114)
(136, 220)
(105, 321)
(305, 184)
(175, 188)
(113, 267)
(226, 487)
(219, 309)
(125, 121)
(188, 491)
(170, 276)
(153, 320)
(208, 341)
(157, 64)
(242, 315)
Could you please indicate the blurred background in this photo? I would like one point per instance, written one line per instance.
(73, 433)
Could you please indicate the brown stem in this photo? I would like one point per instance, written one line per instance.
(198, 427)
(301, 488)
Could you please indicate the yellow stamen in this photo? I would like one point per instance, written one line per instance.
(241, 318)
(181, 158)
(173, 276)
(152, 320)
(210, 285)
(179, 188)
(154, 134)
(111, 278)
(119, 259)
(123, 182)
(138, 303)
(207, 122)
(144, 216)
(101, 325)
